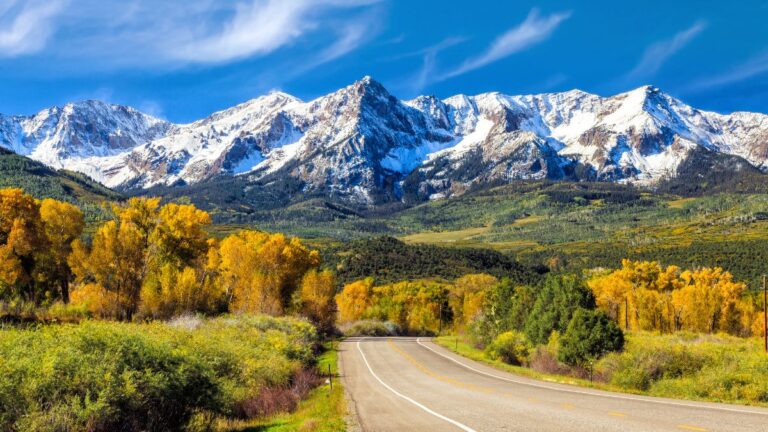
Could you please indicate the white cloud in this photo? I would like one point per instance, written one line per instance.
(658, 53)
(256, 28)
(756, 66)
(26, 25)
(260, 27)
(534, 30)
(167, 34)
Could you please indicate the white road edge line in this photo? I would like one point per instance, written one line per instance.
(440, 416)
(418, 341)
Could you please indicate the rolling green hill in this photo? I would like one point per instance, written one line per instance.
(43, 182)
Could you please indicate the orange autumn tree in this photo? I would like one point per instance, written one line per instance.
(63, 223)
(115, 262)
(259, 272)
(644, 295)
(22, 245)
(354, 300)
(710, 301)
(148, 257)
(316, 297)
(178, 280)
(119, 257)
(468, 295)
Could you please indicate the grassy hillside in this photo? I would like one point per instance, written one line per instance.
(41, 181)
(576, 226)
(564, 226)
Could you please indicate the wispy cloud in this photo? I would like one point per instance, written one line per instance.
(349, 37)
(658, 53)
(534, 30)
(757, 65)
(429, 59)
(26, 25)
(256, 28)
(160, 33)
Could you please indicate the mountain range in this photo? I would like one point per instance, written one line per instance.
(364, 145)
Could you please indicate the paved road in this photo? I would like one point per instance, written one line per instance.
(410, 384)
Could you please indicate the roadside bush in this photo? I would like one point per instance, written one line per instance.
(370, 328)
(589, 336)
(648, 359)
(100, 376)
(510, 347)
(544, 357)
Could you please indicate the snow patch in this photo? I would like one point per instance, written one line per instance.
(248, 163)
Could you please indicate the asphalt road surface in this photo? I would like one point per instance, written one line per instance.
(411, 384)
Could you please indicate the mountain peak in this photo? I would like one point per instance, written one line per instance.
(362, 141)
(369, 85)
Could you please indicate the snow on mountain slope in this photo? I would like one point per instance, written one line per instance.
(80, 130)
(363, 143)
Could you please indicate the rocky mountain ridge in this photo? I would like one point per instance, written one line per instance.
(362, 144)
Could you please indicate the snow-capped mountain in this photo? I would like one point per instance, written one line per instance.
(364, 144)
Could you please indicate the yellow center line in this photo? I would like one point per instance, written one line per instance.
(693, 428)
(616, 414)
(568, 406)
(435, 375)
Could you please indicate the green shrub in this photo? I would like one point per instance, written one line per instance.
(102, 376)
(590, 335)
(640, 369)
(510, 347)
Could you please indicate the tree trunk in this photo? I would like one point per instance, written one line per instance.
(65, 290)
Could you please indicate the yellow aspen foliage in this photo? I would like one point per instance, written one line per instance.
(709, 301)
(172, 291)
(354, 300)
(649, 297)
(316, 295)
(179, 235)
(468, 295)
(261, 271)
(415, 306)
(20, 243)
(257, 292)
(10, 271)
(140, 212)
(757, 326)
(98, 301)
(116, 262)
(63, 223)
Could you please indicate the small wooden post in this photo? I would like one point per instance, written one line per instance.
(440, 331)
(330, 377)
(765, 316)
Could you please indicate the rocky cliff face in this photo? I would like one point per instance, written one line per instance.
(363, 144)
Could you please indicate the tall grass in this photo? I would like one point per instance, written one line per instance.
(692, 366)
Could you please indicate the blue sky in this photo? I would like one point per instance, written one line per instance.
(182, 60)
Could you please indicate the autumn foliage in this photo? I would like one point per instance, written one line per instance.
(643, 295)
(154, 261)
(35, 241)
